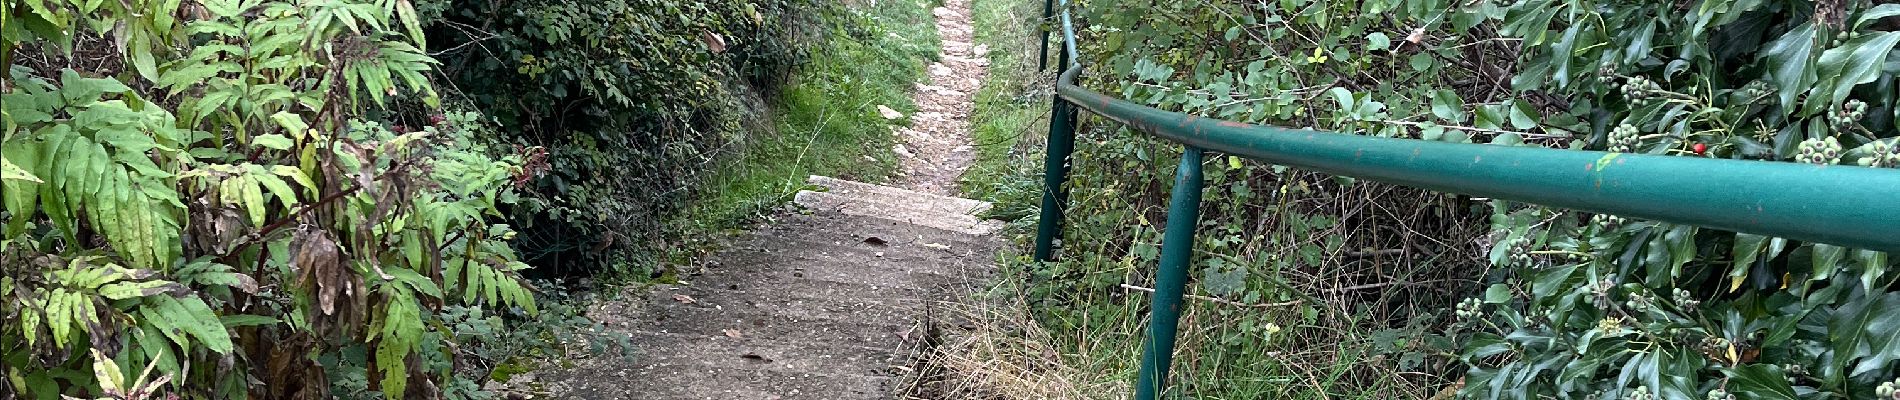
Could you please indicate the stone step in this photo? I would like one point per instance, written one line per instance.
(701, 382)
(885, 328)
(878, 262)
(836, 358)
(850, 205)
(900, 197)
(853, 230)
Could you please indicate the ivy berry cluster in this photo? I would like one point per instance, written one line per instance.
(1719, 394)
(1819, 151)
(1638, 88)
(1470, 308)
(1640, 393)
(1624, 139)
(1888, 390)
(1881, 154)
(1843, 119)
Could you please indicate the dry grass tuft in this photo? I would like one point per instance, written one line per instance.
(991, 348)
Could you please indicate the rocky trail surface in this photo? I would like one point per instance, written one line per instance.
(836, 297)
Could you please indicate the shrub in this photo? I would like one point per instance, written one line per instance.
(635, 101)
(203, 200)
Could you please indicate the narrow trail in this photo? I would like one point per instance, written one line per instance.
(936, 148)
(836, 298)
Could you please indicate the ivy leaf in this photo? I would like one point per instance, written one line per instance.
(1759, 381)
(1857, 62)
(1827, 259)
(1747, 248)
(1792, 58)
(1638, 47)
(1873, 264)
(1878, 12)
(1878, 332)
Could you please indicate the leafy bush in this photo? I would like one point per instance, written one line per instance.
(1603, 306)
(1583, 308)
(198, 197)
(635, 101)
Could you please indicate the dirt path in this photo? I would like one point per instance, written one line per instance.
(935, 149)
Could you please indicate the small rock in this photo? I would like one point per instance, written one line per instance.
(981, 50)
(941, 12)
(888, 113)
(901, 151)
(960, 149)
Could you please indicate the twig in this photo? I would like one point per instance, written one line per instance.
(1374, 253)
(1221, 300)
(1384, 284)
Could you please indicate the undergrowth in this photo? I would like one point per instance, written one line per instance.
(1314, 286)
(1011, 110)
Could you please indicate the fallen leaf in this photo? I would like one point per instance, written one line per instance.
(733, 333)
(1418, 35)
(684, 299)
(713, 41)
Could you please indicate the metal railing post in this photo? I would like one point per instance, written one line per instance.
(1055, 172)
(1177, 245)
(1055, 175)
(1042, 57)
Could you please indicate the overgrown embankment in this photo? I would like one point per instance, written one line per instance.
(1318, 287)
(664, 121)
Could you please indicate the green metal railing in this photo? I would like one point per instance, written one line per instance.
(1835, 204)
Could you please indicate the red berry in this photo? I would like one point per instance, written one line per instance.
(1701, 148)
(399, 129)
(436, 119)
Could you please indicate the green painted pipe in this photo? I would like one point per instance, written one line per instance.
(1042, 57)
(1056, 161)
(1837, 204)
(1055, 175)
(1177, 246)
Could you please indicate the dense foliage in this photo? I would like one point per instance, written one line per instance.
(1581, 305)
(634, 100)
(208, 200)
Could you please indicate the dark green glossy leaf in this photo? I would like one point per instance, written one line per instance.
(1759, 381)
